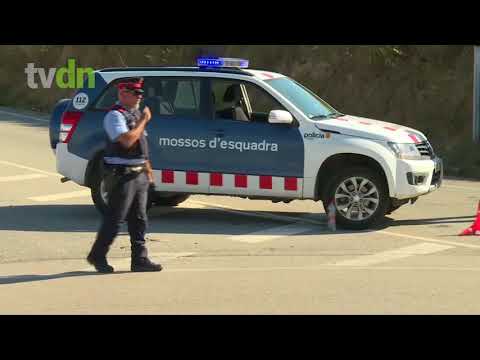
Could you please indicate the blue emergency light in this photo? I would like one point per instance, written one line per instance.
(216, 62)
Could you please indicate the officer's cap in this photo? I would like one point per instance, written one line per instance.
(132, 84)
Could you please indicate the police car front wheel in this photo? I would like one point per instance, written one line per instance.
(360, 196)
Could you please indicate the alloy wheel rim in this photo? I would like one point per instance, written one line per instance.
(357, 198)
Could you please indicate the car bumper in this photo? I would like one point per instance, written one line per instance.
(418, 177)
(71, 165)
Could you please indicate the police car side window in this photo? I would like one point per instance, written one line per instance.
(261, 103)
(164, 96)
(188, 95)
(108, 98)
(242, 101)
(228, 100)
(173, 97)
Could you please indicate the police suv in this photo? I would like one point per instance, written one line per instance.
(223, 129)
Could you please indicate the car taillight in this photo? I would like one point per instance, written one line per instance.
(68, 125)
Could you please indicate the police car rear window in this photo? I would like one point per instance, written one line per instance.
(164, 96)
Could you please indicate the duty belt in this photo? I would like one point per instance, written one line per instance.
(126, 169)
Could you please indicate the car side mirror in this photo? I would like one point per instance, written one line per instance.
(280, 117)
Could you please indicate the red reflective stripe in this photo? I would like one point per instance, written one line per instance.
(216, 179)
(168, 176)
(71, 118)
(267, 75)
(192, 178)
(265, 182)
(365, 123)
(390, 128)
(414, 138)
(291, 184)
(241, 181)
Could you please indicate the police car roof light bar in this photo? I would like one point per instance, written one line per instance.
(216, 62)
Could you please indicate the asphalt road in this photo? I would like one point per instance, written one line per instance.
(225, 255)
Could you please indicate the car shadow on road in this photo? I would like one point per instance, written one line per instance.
(85, 218)
(441, 222)
(16, 279)
(178, 220)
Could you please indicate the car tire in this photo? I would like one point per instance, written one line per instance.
(174, 200)
(392, 209)
(369, 199)
(96, 188)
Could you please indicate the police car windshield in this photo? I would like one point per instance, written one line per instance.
(309, 103)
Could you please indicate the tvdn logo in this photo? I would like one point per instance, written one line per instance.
(67, 77)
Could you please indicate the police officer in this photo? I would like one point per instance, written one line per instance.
(128, 177)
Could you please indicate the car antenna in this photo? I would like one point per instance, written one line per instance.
(121, 58)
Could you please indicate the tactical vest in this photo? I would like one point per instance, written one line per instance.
(138, 151)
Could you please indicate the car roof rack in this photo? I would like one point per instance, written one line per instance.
(177, 68)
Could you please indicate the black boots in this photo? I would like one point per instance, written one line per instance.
(144, 264)
(100, 264)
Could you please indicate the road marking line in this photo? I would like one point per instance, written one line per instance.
(53, 197)
(25, 116)
(269, 216)
(22, 177)
(322, 268)
(169, 269)
(446, 242)
(189, 205)
(396, 254)
(3, 162)
(459, 187)
(271, 233)
(323, 224)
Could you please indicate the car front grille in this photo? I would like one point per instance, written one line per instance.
(425, 149)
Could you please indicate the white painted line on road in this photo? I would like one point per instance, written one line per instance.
(271, 233)
(446, 242)
(68, 195)
(460, 187)
(321, 268)
(9, 163)
(22, 177)
(266, 215)
(324, 225)
(189, 205)
(24, 116)
(396, 254)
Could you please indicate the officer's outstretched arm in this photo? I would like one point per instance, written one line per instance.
(129, 139)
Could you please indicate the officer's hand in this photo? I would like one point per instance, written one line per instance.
(147, 113)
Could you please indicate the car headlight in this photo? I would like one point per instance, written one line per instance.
(405, 151)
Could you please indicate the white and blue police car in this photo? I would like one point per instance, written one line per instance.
(222, 129)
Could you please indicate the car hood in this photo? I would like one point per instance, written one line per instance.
(372, 129)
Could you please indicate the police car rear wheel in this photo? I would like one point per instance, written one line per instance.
(361, 198)
(100, 195)
(172, 200)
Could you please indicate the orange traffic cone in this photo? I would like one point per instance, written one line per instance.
(475, 228)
